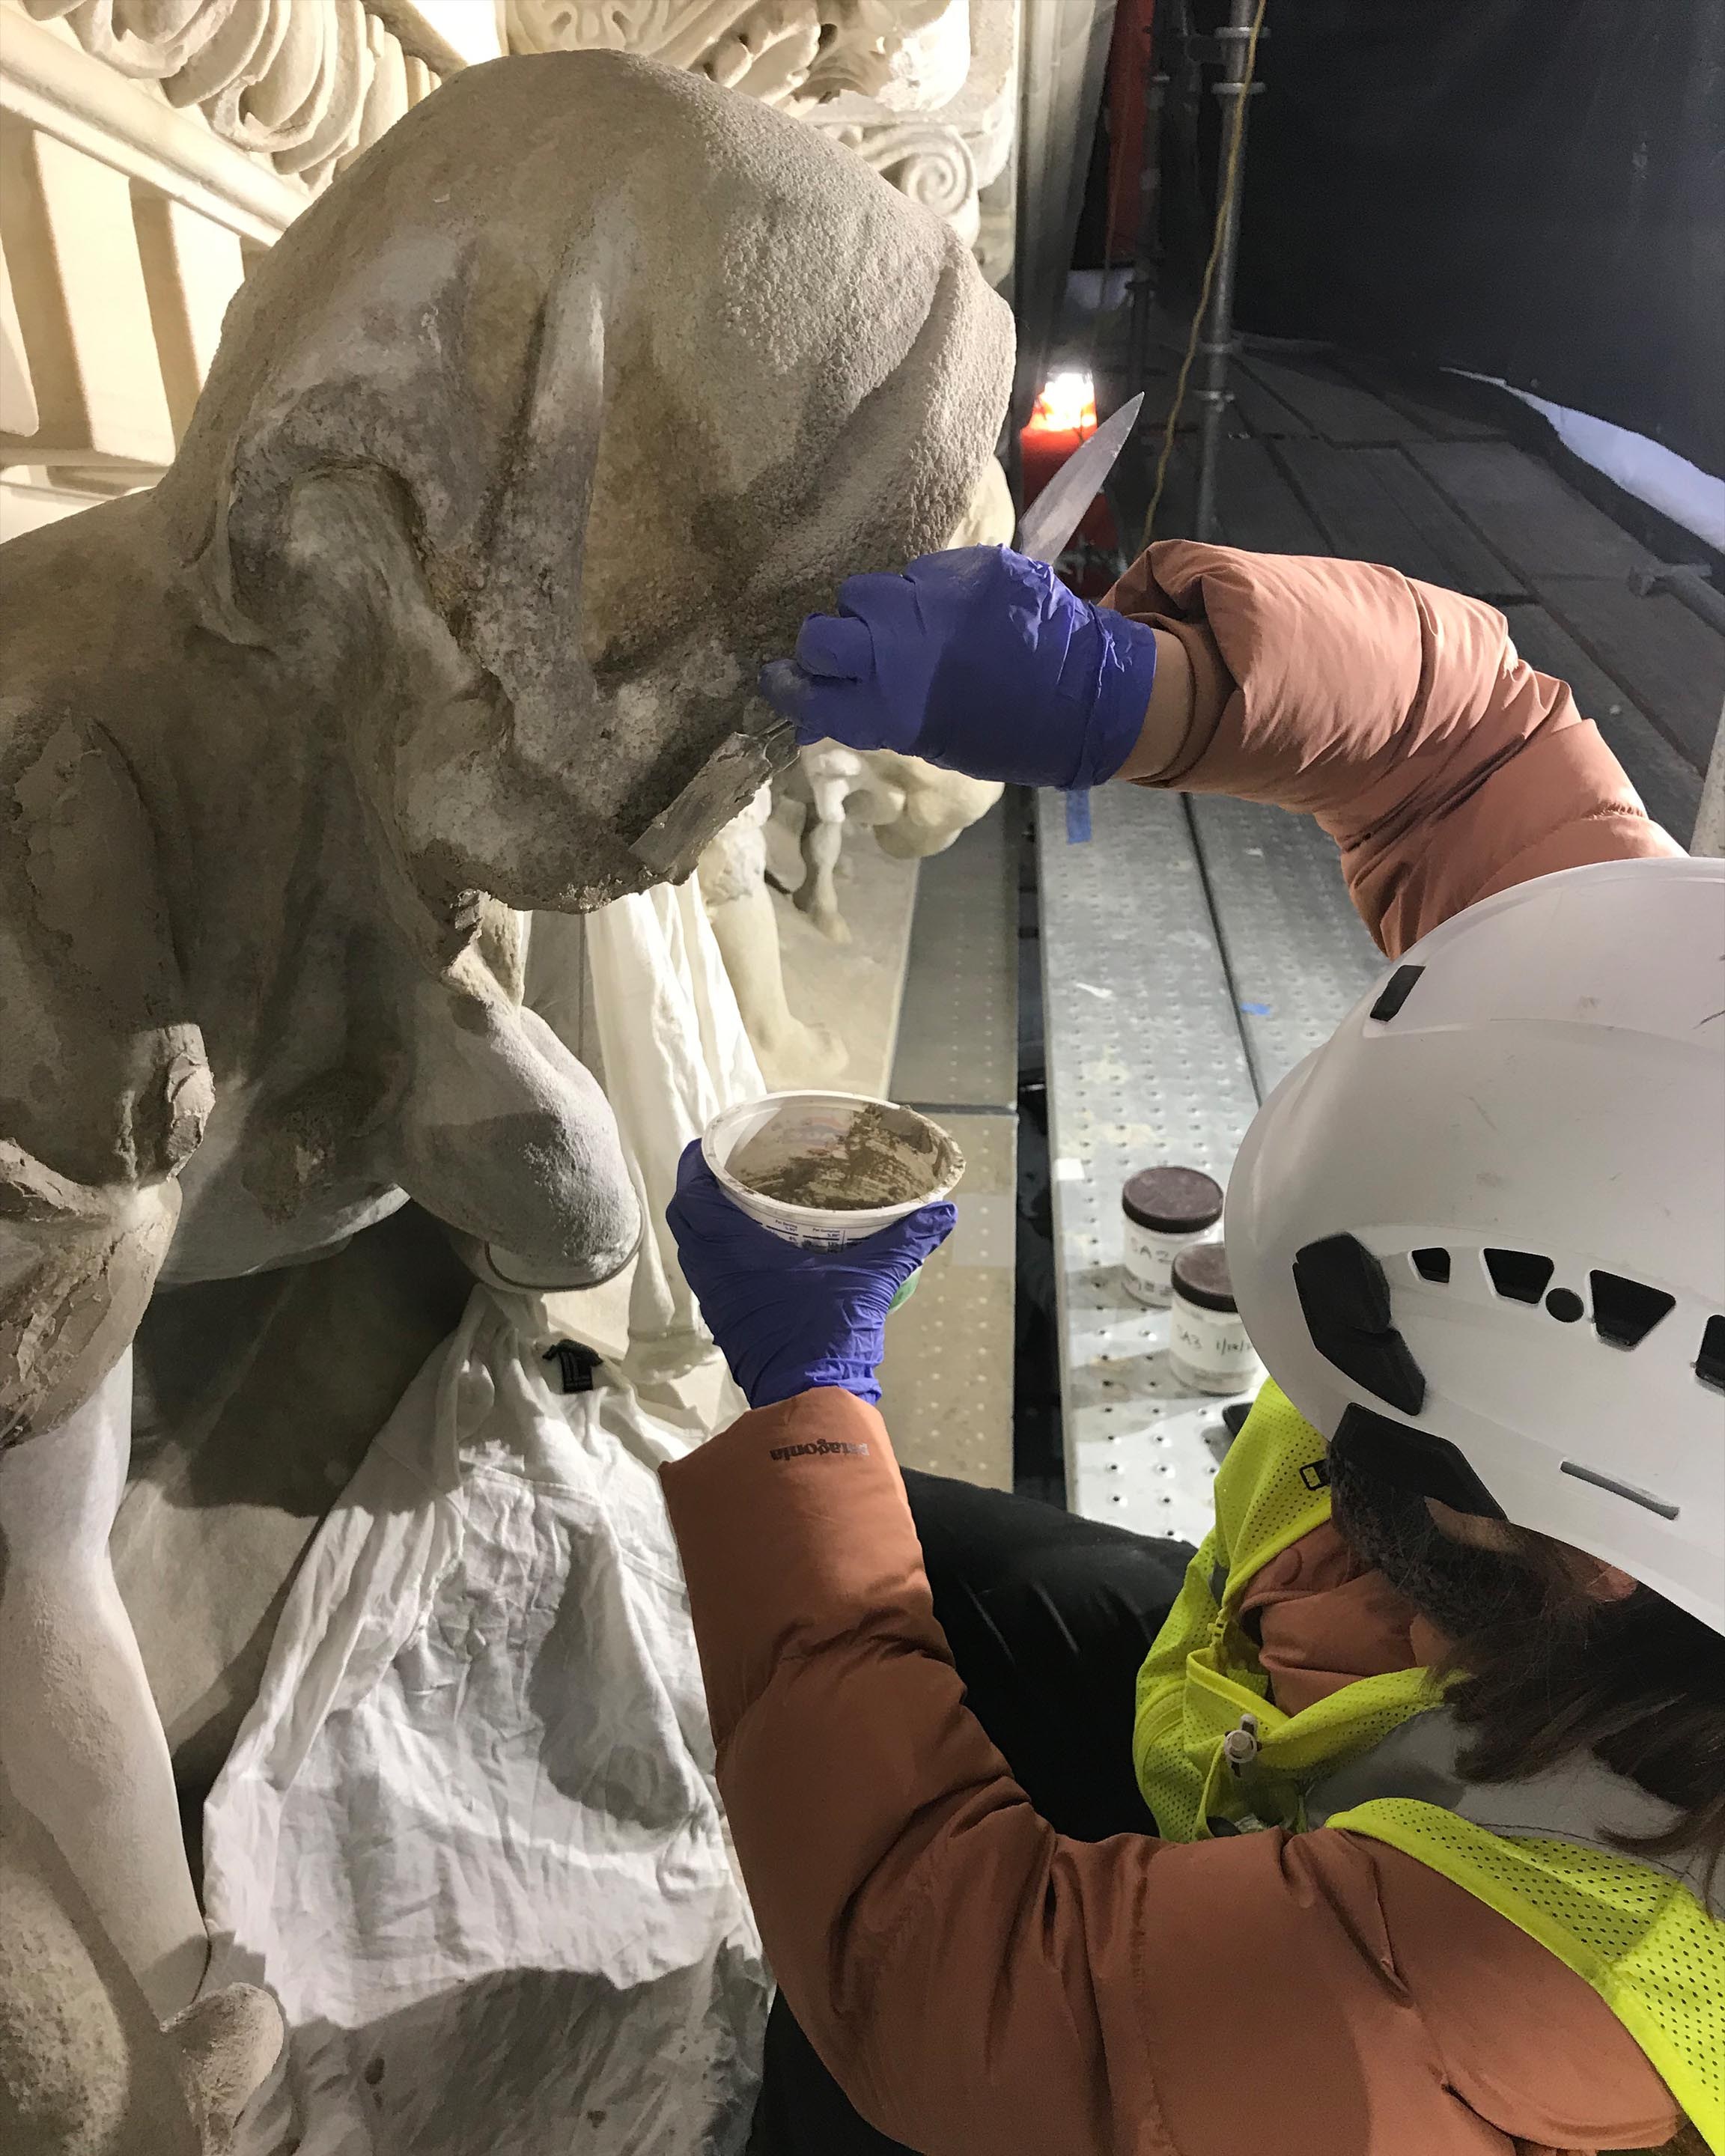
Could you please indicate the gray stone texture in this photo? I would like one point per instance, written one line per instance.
(522, 449)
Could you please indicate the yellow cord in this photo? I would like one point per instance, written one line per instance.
(1231, 181)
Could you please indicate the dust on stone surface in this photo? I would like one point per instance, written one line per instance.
(883, 1158)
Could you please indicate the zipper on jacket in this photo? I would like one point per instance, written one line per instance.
(1240, 1746)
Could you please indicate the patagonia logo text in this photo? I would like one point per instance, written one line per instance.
(821, 1444)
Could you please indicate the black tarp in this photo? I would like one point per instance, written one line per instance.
(1529, 189)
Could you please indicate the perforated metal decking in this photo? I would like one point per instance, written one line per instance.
(948, 1378)
(1191, 953)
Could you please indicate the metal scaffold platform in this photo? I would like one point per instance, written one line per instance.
(1193, 953)
(1194, 950)
(947, 1379)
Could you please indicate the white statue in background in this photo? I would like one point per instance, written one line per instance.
(733, 883)
(913, 809)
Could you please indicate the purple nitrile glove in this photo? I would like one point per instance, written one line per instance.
(786, 1319)
(977, 660)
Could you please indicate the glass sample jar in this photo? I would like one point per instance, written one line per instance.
(1167, 1209)
(1208, 1347)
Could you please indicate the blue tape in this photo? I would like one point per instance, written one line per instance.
(1078, 816)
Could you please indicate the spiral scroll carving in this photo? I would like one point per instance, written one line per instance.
(929, 164)
(851, 67)
(307, 85)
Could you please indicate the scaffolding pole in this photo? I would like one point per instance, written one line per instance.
(1147, 251)
(1216, 343)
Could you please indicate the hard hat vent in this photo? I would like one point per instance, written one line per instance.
(1625, 1311)
(1344, 1297)
(1418, 1461)
(1520, 1275)
(1710, 1363)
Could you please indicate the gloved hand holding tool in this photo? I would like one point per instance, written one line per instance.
(977, 660)
(787, 1319)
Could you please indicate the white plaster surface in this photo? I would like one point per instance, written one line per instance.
(80, 1744)
(85, 2068)
(733, 883)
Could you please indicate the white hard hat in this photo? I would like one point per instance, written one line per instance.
(1479, 1237)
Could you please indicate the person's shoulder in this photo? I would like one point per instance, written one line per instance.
(1524, 2040)
(1371, 2003)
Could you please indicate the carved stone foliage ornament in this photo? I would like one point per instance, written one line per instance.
(794, 53)
(309, 84)
(923, 90)
(929, 164)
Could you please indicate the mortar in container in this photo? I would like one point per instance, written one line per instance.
(827, 1162)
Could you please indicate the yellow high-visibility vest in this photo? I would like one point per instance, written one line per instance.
(1215, 1756)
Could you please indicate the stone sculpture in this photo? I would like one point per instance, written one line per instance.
(85, 2068)
(521, 450)
(793, 52)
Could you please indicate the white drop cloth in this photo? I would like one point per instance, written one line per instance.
(1653, 473)
(468, 1833)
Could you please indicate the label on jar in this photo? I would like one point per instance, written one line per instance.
(1150, 1254)
(1209, 1350)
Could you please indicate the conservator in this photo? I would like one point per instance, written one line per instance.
(1362, 1904)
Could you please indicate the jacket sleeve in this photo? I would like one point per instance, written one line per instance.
(1398, 714)
(976, 1981)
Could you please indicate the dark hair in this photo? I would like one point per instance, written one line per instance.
(1542, 1672)
(1639, 1683)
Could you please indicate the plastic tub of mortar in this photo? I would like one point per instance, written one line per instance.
(819, 1138)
